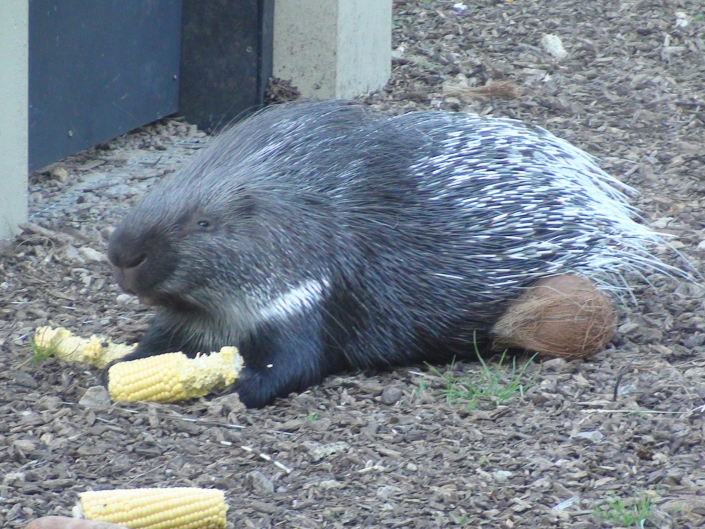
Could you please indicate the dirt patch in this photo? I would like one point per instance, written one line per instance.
(389, 450)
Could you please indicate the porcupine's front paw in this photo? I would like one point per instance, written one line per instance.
(256, 389)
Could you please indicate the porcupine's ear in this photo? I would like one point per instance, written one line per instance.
(564, 316)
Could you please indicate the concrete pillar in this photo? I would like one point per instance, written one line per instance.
(14, 90)
(333, 48)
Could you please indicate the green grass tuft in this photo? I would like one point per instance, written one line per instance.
(39, 354)
(625, 513)
(462, 519)
(496, 384)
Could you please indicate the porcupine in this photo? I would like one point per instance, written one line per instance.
(324, 236)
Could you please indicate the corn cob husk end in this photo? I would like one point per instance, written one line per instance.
(45, 341)
(212, 372)
(64, 345)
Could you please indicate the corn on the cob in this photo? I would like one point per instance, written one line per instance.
(173, 508)
(172, 377)
(96, 350)
(163, 378)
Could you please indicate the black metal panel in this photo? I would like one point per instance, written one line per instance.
(226, 59)
(97, 69)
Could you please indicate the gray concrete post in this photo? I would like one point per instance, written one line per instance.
(14, 68)
(333, 48)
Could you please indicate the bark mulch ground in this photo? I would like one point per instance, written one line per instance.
(392, 449)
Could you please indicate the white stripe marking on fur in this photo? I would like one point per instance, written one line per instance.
(295, 301)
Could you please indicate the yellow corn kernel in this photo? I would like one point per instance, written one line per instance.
(173, 508)
(96, 350)
(172, 377)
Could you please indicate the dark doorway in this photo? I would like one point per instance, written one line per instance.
(100, 68)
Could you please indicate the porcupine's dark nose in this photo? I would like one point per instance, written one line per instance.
(127, 259)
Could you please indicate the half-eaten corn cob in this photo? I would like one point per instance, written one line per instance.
(173, 508)
(96, 350)
(172, 377)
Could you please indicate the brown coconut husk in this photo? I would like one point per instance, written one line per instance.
(564, 316)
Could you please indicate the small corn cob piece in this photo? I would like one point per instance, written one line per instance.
(173, 508)
(172, 377)
(62, 344)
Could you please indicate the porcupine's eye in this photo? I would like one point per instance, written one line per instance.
(202, 224)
